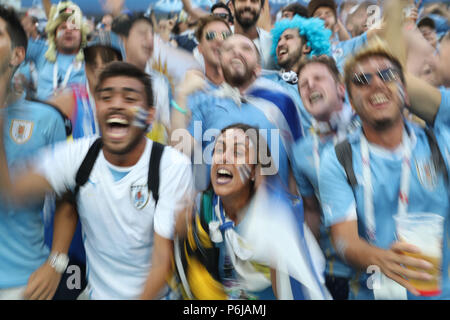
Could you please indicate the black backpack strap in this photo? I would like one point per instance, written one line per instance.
(67, 122)
(436, 155)
(344, 155)
(86, 166)
(153, 170)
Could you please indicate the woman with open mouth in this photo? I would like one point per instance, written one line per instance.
(247, 239)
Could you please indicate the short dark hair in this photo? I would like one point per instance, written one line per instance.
(123, 23)
(224, 6)
(14, 27)
(296, 8)
(107, 54)
(204, 21)
(327, 61)
(427, 21)
(124, 69)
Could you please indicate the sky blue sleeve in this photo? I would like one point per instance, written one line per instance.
(194, 103)
(442, 126)
(335, 192)
(443, 115)
(305, 187)
(57, 129)
(354, 44)
(35, 49)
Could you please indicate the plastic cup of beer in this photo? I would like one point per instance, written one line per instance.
(425, 231)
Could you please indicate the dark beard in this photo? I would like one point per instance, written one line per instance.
(384, 124)
(132, 145)
(235, 80)
(246, 23)
(5, 65)
(288, 65)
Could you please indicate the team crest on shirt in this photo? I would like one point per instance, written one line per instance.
(21, 130)
(139, 196)
(426, 172)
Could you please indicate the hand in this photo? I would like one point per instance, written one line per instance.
(393, 262)
(19, 83)
(194, 80)
(43, 283)
(413, 15)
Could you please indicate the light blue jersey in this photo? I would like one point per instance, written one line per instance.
(342, 50)
(210, 114)
(292, 89)
(307, 181)
(66, 66)
(28, 127)
(428, 192)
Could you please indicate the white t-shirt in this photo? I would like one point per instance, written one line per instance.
(118, 218)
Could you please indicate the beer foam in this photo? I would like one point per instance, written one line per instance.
(428, 243)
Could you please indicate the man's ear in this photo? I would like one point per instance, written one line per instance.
(257, 70)
(306, 50)
(17, 57)
(200, 50)
(341, 91)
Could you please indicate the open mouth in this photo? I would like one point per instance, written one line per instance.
(378, 100)
(237, 65)
(247, 14)
(315, 97)
(224, 176)
(282, 53)
(117, 127)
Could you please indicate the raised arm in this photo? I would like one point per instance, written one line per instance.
(47, 6)
(424, 98)
(196, 13)
(265, 21)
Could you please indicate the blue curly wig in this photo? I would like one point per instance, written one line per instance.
(313, 29)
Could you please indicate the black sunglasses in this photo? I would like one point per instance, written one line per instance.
(211, 35)
(221, 15)
(365, 79)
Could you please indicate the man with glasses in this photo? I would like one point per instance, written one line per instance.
(221, 10)
(211, 32)
(392, 168)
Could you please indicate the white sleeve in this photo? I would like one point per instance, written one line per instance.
(175, 189)
(59, 163)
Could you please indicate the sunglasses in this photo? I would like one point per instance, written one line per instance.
(221, 15)
(365, 79)
(211, 35)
